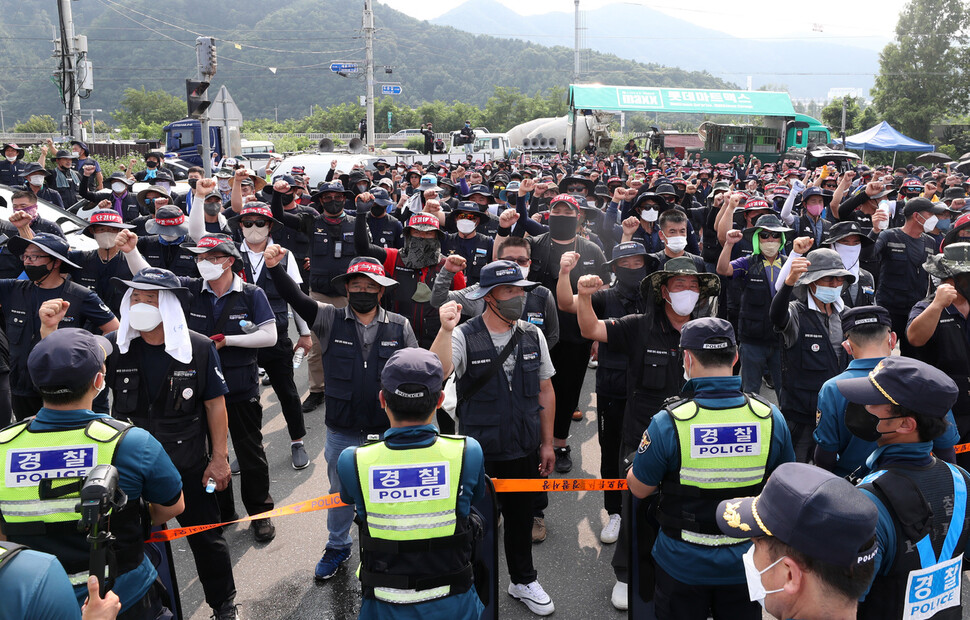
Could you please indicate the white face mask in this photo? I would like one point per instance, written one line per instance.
(100, 389)
(224, 185)
(683, 302)
(465, 226)
(770, 248)
(686, 369)
(756, 589)
(11, 158)
(676, 244)
(209, 271)
(144, 317)
(649, 215)
(118, 188)
(164, 185)
(493, 209)
(930, 223)
(106, 240)
(525, 272)
(36, 180)
(256, 235)
(850, 255)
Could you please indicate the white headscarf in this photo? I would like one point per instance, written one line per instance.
(177, 342)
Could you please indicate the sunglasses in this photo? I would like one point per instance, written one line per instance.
(256, 223)
(575, 188)
(769, 235)
(522, 262)
(830, 185)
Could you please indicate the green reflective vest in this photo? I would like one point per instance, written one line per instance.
(41, 483)
(411, 497)
(723, 453)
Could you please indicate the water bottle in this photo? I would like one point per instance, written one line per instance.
(247, 326)
(884, 207)
(210, 486)
(298, 358)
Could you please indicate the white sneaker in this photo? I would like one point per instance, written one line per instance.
(611, 531)
(534, 597)
(593, 363)
(619, 597)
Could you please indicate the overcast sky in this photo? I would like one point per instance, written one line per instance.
(864, 23)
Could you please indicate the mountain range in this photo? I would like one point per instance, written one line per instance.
(646, 35)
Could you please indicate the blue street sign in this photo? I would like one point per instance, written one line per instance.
(391, 89)
(344, 67)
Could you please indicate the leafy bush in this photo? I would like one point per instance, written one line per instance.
(416, 144)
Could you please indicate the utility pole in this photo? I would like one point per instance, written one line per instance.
(205, 54)
(369, 42)
(843, 123)
(68, 69)
(576, 67)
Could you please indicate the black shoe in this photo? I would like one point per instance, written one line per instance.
(768, 382)
(266, 380)
(314, 400)
(228, 611)
(563, 463)
(263, 530)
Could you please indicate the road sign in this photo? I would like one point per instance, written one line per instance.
(345, 67)
(391, 89)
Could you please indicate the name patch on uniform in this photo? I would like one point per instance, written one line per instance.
(27, 467)
(530, 356)
(717, 440)
(389, 343)
(535, 318)
(404, 483)
(346, 342)
(931, 590)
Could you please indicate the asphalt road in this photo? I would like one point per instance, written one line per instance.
(275, 580)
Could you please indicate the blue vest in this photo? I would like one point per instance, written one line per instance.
(352, 380)
(503, 417)
(265, 282)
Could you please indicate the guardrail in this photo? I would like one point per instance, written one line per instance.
(31, 138)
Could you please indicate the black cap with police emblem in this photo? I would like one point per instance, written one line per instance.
(863, 316)
(413, 367)
(707, 333)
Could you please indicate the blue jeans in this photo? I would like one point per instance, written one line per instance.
(755, 359)
(339, 520)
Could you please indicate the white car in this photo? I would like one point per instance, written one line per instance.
(71, 224)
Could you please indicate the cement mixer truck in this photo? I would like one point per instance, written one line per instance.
(548, 135)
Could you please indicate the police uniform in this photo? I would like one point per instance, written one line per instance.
(243, 302)
(67, 445)
(923, 502)
(34, 585)
(699, 451)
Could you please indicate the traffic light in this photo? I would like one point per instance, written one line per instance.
(205, 55)
(196, 98)
(798, 137)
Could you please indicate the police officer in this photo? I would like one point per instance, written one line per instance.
(473, 246)
(355, 343)
(571, 354)
(922, 501)
(697, 451)
(755, 274)
(902, 251)
(938, 329)
(68, 368)
(98, 267)
(45, 262)
(649, 343)
(811, 334)
(331, 249)
(34, 586)
(422, 570)
(162, 247)
(505, 401)
(868, 339)
(168, 380)
(629, 266)
(236, 316)
(256, 223)
(813, 543)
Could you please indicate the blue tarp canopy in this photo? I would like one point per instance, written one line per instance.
(883, 137)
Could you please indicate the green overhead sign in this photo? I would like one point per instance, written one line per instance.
(698, 101)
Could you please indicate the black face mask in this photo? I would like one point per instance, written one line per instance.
(192, 183)
(863, 424)
(212, 208)
(333, 207)
(562, 227)
(287, 199)
(628, 278)
(151, 163)
(37, 273)
(377, 210)
(362, 301)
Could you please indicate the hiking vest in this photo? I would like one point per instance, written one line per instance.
(753, 322)
(810, 362)
(928, 506)
(40, 490)
(423, 316)
(723, 454)
(331, 250)
(413, 545)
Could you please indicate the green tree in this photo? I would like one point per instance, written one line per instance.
(36, 124)
(832, 115)
(151, 107)
(920, 72)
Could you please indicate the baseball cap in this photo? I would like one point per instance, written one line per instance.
(67, 360)
(918, 205)
(413, 366)
(809, 509)
(906, 382)
(865, 315)
(365, 266)
(707, 333)
(212, 242)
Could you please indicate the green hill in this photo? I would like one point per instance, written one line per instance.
(299, 38)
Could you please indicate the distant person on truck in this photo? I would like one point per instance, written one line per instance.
(362, 128)
(428, 134)
(468, 137)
